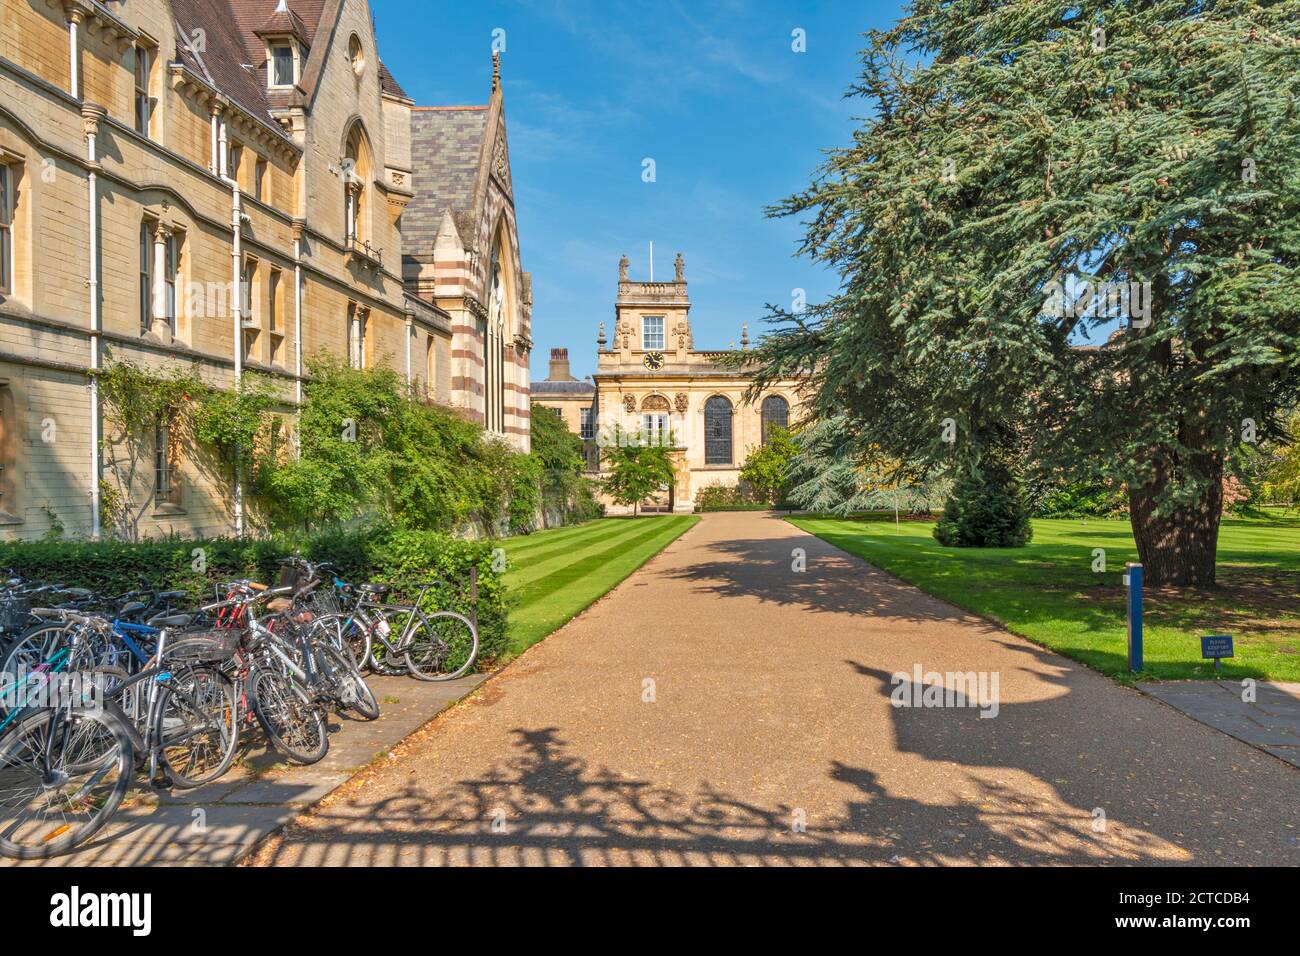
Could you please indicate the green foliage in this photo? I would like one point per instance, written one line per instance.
(378, 553)
(230, 421)
(414, 557)
(1280, 467)
(566, 493)
(831, 473)
(224, 425)
(370, 451)
(1006, 150)
(343, 464)
(1080, 499)
(766, 469)
(637, 468)
(986, 510)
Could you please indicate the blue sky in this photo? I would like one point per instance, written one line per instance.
(713, 92)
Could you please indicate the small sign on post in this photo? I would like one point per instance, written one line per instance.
(1133, 581)
(1216, 646)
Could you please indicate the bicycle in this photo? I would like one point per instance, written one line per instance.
(435, 646)
(64, 770)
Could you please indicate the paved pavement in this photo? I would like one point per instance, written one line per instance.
(1264, 714)
(719, 708)
(222, 822)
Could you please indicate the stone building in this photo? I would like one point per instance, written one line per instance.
(651, 379)
(224, 184)
(571, 399)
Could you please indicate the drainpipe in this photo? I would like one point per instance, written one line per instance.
(74, 60)
(223, 150)
(298, 226)
(91, 115)
(237, 313)
(410, 330)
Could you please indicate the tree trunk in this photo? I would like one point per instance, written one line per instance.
(1177, 548)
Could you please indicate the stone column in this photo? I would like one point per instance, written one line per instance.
(161, 326)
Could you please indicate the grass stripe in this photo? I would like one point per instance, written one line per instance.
(548, 602)
(539, 562)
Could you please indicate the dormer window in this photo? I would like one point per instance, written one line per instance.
(283, 65)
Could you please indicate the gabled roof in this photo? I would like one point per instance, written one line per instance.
(233, 56)
(446, 142)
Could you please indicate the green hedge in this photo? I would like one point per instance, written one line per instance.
(375, 554)
(748, 506)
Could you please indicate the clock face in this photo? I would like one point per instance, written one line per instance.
(654, 361)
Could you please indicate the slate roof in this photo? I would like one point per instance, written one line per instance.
(445, 144)
(547, 387)
(234, 56)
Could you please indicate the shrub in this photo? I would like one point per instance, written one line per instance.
(766, 469)
(1081, 499)
(986, 510)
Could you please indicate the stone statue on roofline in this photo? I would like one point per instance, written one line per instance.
(680, 265)
(622, 268)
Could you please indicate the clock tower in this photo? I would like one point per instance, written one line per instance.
(652, 326)
(652, 381)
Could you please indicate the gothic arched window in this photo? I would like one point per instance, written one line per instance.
(776, 414)
(494, 365)
(717, 431)
(356, 173)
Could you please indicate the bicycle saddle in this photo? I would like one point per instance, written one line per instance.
(172, 620)
(130, 608)
(172, 595)
(374, 588)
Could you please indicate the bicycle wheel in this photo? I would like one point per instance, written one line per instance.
(63, 775)
(195, 726)
(442, 646)
(294, 722)
(349, 687)
(30, 649)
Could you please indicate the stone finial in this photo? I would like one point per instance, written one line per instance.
(680, 265)
(622, 268)
(496, 70)
(744, 335)
(600, 336)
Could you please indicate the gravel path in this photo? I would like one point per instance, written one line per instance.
(720, 708)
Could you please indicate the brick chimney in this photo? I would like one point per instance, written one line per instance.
(560, 367)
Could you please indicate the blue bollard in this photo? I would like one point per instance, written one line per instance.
(1133, 580)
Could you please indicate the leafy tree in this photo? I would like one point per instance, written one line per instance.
(1016, 150)
(832, 473)
(765, 468)
(1280, 467)
(637, 468)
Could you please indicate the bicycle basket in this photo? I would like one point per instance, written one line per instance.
(321, 602)
(204, 647)
(14, 614)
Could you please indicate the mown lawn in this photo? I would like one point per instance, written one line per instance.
(553, 575)
(1049, 593)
